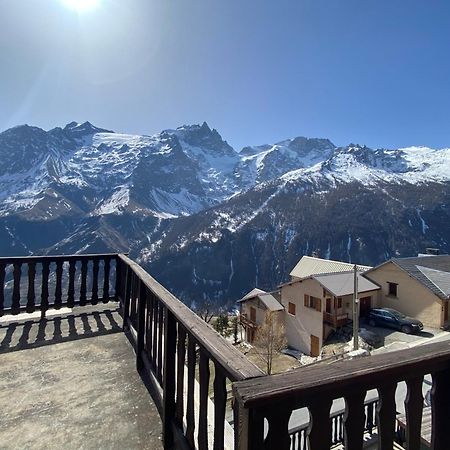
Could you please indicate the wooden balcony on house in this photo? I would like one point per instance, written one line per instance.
(208, 395)
(246, 322)
(335, 320)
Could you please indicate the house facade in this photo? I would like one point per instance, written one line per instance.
(319, 304)
(253, 308)
(418, 287)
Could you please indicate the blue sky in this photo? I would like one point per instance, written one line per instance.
(361, 71)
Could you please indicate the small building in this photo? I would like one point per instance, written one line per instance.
(318, 304)
(253, 308)
(418, 287)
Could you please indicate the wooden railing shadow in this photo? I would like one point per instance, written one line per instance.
(53, 330)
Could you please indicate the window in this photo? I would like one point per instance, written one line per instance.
(339, 302)
(291, 308)
(313, 302)
(392, 289)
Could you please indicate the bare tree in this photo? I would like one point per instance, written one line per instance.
(206, 309)
(270, 339)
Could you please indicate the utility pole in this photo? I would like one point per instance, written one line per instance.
(355, 308)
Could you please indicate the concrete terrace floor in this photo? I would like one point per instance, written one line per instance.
(71, 383)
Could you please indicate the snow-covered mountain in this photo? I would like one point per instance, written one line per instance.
(223, 220)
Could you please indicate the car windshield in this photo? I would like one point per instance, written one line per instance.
(396, 314)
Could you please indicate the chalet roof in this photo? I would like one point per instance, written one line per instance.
(340, 284)
(310, 265)
(419, 268)
(268, 300)
(253, 293)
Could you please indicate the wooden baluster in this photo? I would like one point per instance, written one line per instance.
(414, 409)
(155, 332)
(119, 285)
(142, 293)
(249, 428)
(386, 412)
(83, 287)
(440, 410)
(170, 342)
(203, 407)
(220, 404)
(159, 366)
(181, 358)
(31, 295)
(369, 417)
(133, 302)
(95, 269)
(17, 273)
(2, 288)
(278, 434)
(58, 287)
(319, 435)
(149, 329)
(354, 421)
(334, 429)
(106, 270)
(190, 420)
(71, 287)
(44, 288)
(126, 300)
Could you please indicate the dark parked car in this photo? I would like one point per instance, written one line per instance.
(390, 318)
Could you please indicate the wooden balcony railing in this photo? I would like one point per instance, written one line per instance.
(189, 365)
(179, 351)
(299, 435)
(275, 397)
(40, 283)
(246, 322)
(335, 320)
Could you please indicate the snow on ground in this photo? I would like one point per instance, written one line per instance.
(116, 203)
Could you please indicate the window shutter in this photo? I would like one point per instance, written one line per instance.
(306, 300)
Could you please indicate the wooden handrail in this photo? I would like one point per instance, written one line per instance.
(32, 278)
(341, 377)
(54, 258)
(218, 348)
(177, 350)
(315, 387)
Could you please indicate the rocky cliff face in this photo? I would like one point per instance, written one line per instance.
(209, 221)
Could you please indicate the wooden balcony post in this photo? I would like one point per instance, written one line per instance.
(140, 325)
(169, 376)
(248, 427)
(414, 411)
(126, 300)
(440, 409)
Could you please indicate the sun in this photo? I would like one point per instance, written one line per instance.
(81, 5)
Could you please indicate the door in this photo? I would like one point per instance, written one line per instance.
(252, 314)
(315, 346)
(365, 303)
(328, 306)
(445, 312)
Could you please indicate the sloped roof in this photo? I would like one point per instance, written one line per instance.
(439, 278)
(340, 284)
(435, 282)
(251, 294)
(269, 301)
(310, 265)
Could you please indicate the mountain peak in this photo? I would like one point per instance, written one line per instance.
(84, 128)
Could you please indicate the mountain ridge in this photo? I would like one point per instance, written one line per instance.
(185, 193)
